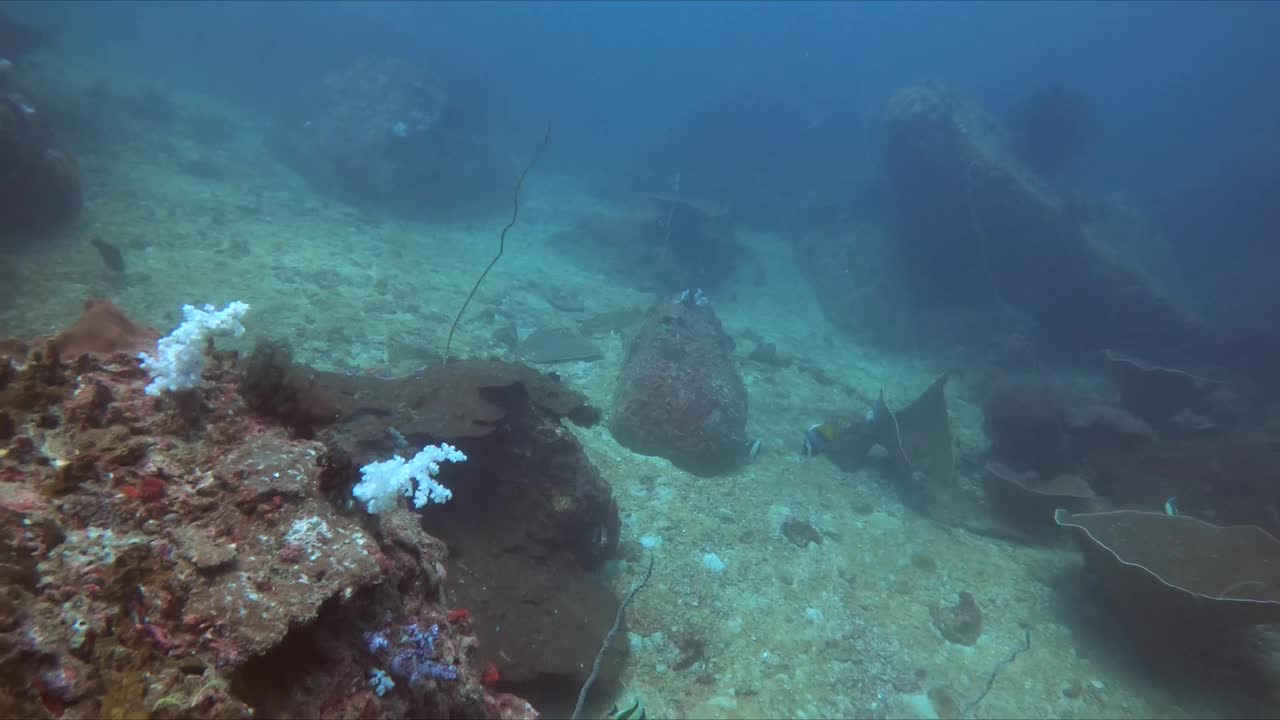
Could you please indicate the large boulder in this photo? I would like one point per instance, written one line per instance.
(530, 521)
(977, 226)
(680, 395)
(528, 487)
(385, 134)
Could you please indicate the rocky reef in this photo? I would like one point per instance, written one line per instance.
(192, 556)
(978, 225)
(971, 227)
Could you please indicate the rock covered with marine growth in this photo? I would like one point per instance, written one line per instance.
(680, 395)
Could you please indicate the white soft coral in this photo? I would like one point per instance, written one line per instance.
(179, 360)
(382, 482)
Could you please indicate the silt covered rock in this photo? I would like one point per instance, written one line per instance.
(680, 395)
(382, 133)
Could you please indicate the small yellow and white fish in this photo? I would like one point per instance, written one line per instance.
(817, 437)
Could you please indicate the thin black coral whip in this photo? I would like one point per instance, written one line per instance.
(608, 639)
(502, 240)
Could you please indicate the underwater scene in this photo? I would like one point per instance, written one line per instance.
(639, 360)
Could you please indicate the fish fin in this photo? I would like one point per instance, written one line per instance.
(626, 714)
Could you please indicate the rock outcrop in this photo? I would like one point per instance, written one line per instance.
(680, 395)
(383, 134)
(976, 225)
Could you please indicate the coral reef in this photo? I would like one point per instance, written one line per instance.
(680, 395)
(157, 573)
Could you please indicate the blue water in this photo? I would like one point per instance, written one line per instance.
(748, 149)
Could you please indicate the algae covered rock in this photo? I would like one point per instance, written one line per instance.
(680, 395)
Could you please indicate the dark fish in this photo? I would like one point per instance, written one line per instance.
(110, 255)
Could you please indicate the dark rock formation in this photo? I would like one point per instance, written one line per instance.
(977, 226)
(541, 624)
(39, 181)
(1168, 397)
(680, 395)
(530, 515)
(696, 240)
(209, 572)
(18, 39)
(1025, 417)
(1227, 478)
(853, 268)
(1053, 128)
(274, 386)
(528, 487)
(383, 134)
(678, 242)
